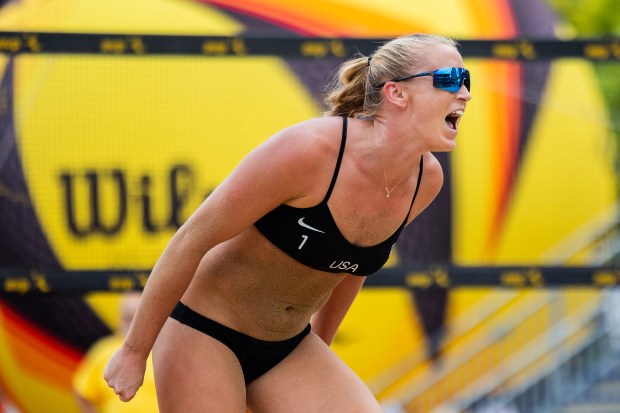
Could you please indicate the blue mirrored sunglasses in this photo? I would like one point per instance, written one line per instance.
(447, 78)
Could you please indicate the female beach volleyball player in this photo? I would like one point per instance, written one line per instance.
(241, 307)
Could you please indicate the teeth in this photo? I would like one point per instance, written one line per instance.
(457, 113)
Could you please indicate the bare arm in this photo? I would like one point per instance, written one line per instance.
(326, 321)
(256, 186)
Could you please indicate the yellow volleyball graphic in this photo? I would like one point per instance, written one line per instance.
(104, 155)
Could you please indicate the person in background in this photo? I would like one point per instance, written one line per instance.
(241, 307)
(91, 391)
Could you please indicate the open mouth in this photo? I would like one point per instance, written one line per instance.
(452, 120)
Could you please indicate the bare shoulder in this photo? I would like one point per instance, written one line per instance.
(430, 185)
(301, 141)
(433, 173)
(309, 151)
(288, 163)
(316, 131)
(303, 146)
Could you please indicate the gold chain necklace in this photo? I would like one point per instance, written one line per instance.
(388, 191)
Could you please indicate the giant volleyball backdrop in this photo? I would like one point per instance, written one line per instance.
(103, 157)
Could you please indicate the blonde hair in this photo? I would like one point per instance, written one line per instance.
(353, 89)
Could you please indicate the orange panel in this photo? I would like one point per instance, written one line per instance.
(39, 354)
(324, 18)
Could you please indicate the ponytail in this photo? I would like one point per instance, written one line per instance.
(348, 88)
(352, 91)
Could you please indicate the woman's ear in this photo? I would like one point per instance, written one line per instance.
(394, 94)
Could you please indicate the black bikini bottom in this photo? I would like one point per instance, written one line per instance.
(255, 356)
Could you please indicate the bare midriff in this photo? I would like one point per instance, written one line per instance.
(251, 286)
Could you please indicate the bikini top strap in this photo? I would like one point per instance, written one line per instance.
(416, 188)
(340, 155)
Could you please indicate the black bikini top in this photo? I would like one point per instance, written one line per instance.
(312, 237)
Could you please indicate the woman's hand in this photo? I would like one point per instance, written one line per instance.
(124, 373)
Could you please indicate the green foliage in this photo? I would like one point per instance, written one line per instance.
(590, 18)
(598, 18)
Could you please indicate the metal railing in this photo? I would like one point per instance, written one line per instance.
(551, 368)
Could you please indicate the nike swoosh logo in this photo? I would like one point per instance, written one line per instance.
(303, 224)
